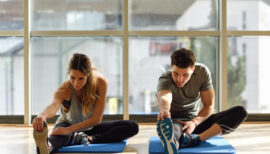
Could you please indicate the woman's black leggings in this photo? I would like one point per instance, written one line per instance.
(228, 120)
(115, 131)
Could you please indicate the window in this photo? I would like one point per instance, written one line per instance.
(11, 15)
(248, 15)
(173, 15)
(12, 76)
(77, 15)
(247, 54)
(150, 57)
(50, 58)
(133, 53)
(248, 73)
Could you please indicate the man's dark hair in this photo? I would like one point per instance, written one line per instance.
(183, 58)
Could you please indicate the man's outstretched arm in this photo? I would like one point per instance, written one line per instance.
(164, 98)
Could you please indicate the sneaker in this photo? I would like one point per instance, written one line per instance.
(189, 140)
(165, 133)
(80, 138)
(85, 140)
(41, 140)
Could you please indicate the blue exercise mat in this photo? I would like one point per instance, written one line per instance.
(214, 145)
(95, 148)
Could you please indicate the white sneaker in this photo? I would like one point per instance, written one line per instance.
(165, 133)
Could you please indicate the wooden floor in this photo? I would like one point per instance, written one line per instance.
(249, 138)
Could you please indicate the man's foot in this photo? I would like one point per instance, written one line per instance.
(165, 133)
(189, 140)
(41, 140)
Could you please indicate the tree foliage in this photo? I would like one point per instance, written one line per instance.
(236, 80)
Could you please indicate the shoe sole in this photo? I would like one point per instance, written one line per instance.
(40, 139)
(165, 133)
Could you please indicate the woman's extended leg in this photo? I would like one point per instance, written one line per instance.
(59, 141)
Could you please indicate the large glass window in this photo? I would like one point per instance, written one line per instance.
(249, 73)
(150, 57)
(76, 15)
(248, 14)
(11, 76)
(49, 63)
(11, 15)
(155, 29)
(173, 15)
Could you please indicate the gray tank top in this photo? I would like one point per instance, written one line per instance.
(74, 114)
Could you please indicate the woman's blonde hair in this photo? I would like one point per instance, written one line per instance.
(82, 63)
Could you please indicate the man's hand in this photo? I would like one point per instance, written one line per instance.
(163, 114)
(188, 127)
(61, 131)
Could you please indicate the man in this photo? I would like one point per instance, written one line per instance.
(179, 93)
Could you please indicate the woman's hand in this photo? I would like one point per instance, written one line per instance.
(38, 123)
(188, 126)
(61, 131)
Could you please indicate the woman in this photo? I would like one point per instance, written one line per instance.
(82, 102)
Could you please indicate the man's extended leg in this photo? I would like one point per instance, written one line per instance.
(177, 131)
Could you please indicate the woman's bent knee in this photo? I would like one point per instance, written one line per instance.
(132, 126)
(135, 127)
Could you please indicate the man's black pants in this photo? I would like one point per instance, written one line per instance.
(228, 120)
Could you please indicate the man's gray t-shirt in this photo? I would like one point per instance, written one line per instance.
(186, 100)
